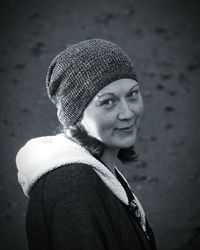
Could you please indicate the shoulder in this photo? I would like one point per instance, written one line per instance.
(71, 179)
(72, 174)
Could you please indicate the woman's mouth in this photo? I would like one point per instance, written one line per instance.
(127, 129)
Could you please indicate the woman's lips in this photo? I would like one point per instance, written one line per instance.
(124, 129)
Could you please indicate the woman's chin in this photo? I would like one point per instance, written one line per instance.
(125, 142)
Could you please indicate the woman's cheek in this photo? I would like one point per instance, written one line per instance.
(139, 107)
(107, 124)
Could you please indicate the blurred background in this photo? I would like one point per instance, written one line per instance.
(163, 40)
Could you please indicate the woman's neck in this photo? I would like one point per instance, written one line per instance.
(109, 158)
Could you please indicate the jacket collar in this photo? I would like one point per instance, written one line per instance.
(43, 154)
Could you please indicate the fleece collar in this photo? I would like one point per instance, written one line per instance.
(43, 154)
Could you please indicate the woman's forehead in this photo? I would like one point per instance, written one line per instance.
(121, 85)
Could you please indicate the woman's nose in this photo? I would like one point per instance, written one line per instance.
(125, 111)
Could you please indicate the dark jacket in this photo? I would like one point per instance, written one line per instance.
(70, 207)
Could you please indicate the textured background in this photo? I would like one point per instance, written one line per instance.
(163, 40)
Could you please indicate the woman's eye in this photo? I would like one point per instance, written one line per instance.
(133, 93)
(108, 103)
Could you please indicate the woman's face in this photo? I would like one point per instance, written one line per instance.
(114, 114)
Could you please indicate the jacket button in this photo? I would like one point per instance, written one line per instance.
(137, 213)
(133, 204)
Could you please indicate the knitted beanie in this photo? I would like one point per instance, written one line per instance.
(78, 73)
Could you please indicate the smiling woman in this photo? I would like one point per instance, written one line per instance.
(114, 114)
(78, 197)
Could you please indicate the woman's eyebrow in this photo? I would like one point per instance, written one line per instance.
(133, 87)
(101, 95)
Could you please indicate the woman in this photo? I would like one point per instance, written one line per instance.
(78, 197)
